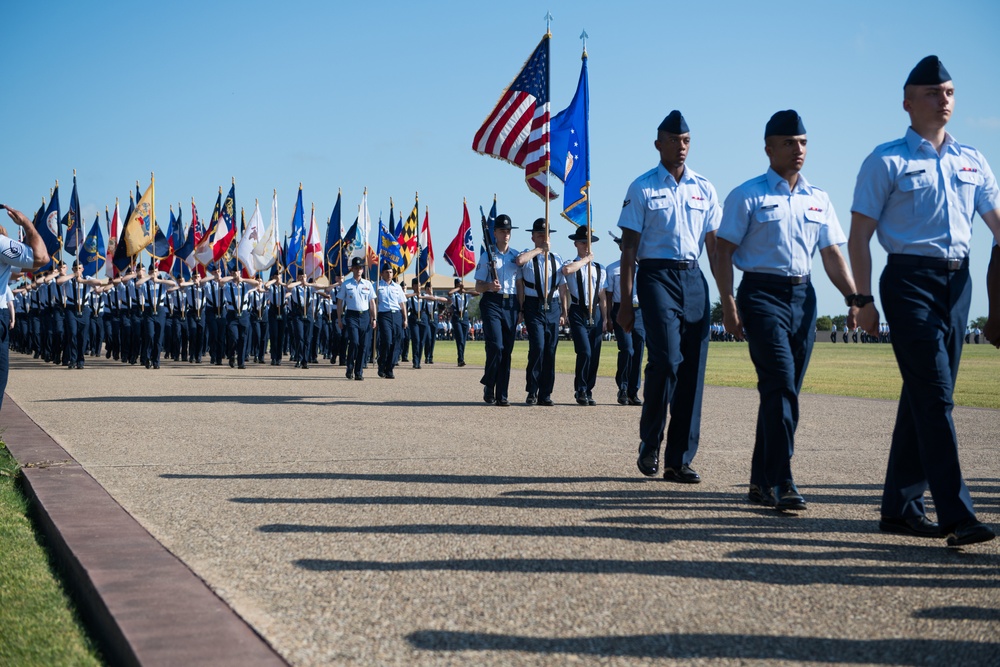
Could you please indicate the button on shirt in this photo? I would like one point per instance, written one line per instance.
(672, 217)
(356, 294)
(778, 230)
(391, 297)
(923, 201)
(507, 270)
(532, 281)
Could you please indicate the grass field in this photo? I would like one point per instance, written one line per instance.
(37, 623)
(863, 371)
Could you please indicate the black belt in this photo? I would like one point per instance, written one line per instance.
(356, 312)
(680, 264)
(939, 263)
(776, 279)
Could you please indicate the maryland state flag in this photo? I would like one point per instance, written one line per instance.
(139, 228)
(408, 239)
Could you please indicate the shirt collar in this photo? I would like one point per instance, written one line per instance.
(667, 178)
(779, 185)
(914, 141)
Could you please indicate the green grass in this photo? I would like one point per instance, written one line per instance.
(38, 625)
(862, 371)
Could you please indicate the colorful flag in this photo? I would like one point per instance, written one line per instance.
(225, 230)
(138, 232)
(389, 251)
(408, 239)
(109, 266)
(265, 252)
(461, 252)
(252, 235)
(312, 251)
(50, 230)
(571, 150)
(203, 251)
(425, 262)
(162, 249)
(73, 223)
(186, 252)
(293, 254)
(333, 248)
(119, 258)
(517, 130)
(92, 255)
(353, 244)
(365, 251)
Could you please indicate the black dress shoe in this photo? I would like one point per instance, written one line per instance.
(305, 365)
(359, 377)
(390, 376)
(917, 526)
(649, 460)
(789, 497)
(488, 398)
(546, 401)
(634, 400)
(581, 396)
(461, 363)
(760, 495)
(531, 400)
(969, 531)
(682, 475)
(242, 367)
(350, 375)
(590, 400)
(622, 395)
(503, 402)
(232, 363)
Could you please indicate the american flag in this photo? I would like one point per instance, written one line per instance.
(517, 130)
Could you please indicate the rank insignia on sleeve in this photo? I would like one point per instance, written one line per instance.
(10, 251)
(626, 203)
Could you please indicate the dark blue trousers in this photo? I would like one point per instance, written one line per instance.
(927, 310)
(587, 344)
(543, 338)
(153, 326)
(780, 324)
(276, 331)
(460, 332)
(301, 338)
(77, 330)
(676, 317)
(631, 347)
(358, 328)
(390, 326)
(238, 336)
(499, 324)
(417, 332)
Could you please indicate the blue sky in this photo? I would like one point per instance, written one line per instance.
(387, 95)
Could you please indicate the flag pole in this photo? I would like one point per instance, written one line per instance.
(548, 161)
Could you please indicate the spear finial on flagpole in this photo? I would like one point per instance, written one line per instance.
(584, 36)
(548, 20)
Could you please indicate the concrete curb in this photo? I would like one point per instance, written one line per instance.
(145, 605)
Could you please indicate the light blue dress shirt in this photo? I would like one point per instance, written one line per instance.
(13, 255)
(356, 294)
(507, 271)
(391, 298)
(673, 218)
(531, 282)
(779, 230)
(923, 201)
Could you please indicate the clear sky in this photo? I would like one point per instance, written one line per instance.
(387, 95)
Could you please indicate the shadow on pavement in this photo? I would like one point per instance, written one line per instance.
(742, 647)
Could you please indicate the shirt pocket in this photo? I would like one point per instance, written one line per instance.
(767, 227)
(918, 184)
(967, 184)
(812, 227)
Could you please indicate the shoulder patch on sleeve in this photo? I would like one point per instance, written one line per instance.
(11, 252)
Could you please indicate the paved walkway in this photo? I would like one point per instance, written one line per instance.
(406, 523)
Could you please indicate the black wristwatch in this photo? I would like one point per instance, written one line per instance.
(859, 300)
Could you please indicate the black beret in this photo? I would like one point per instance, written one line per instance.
(503, 222)
(929, 72)
(580, 234)
(674, 123)
(786, 123)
